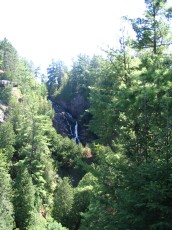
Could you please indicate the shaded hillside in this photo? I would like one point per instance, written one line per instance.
(47, 180)
(65, 122)
(70, 90)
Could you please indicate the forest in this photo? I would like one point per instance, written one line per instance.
(118, 175)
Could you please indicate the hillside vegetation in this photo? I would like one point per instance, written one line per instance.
(121, 177)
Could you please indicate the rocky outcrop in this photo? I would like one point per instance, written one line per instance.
(85, 135)
(66, 125)
(67, 113)
(4, 108)
(63, 121)
(3, 83)
(75, 106)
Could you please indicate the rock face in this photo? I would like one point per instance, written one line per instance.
(76, 106)
(63, 121)
(68, 115)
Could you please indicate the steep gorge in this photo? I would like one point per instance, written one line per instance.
(71, 119)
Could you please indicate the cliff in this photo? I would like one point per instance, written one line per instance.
(67, 113)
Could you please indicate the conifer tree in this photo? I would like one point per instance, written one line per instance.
(24, 198)
(63, 201)
(152, 30)
(9, 58)
(7, 138)
(55, 72)
(6, 206)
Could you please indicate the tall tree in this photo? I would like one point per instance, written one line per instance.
(9, 58)
(152, 31)
(6, 206)
(63, 201)
(33, 149)
(114, 80)
(55, 72)
(79, 75)
(7, 138)
(24, 198)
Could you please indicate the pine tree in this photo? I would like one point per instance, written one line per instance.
(9, 58)
(152, 31)
(7, 138)
(63, 201)
(55, 72)
(6, 206)
(24, 198)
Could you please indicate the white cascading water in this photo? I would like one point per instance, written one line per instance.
(76, 133)
(69, 122)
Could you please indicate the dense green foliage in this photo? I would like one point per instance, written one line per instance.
(29, 173)
(6, 206)
(55, 72)
(125, 176)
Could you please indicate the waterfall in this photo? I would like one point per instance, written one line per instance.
(65, 123)
(76, 134)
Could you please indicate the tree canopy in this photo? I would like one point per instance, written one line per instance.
(121, 179)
